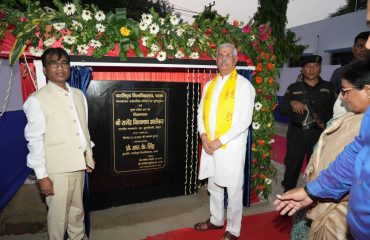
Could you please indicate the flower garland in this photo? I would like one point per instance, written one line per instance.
(89, 31)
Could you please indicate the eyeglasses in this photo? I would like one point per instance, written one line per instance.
(54, 64)
(344, 90)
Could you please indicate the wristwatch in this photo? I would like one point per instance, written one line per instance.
(309, 194)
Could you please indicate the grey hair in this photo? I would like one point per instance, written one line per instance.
(229, 45)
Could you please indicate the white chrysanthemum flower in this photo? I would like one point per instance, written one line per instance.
(147, 18)
(256, 125)
(154, 28)
(271, 141)
(143, 26)
(170, 47)
(194, 55)
(95, 43)
(154, 48)
(268, 181)
(69, 9)
(180, 31)
(99, 16)
(161, 56)
(77, 24)
(100, 27)
(174, 20)
(257, 106)
(144, 40)
(37, 52)
(190, 42)
(59, 26)
(162, 21)
(48, 42)
(82, 49)
(151, 54)
(86, 15)
(69, 39)
(179, 54)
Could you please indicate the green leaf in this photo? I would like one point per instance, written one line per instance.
(17, 50)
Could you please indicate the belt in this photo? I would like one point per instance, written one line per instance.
(306, 127)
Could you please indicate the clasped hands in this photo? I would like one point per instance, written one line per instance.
(210, 146)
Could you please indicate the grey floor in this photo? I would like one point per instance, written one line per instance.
(24, 217)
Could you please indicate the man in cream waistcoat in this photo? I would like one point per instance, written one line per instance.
(224, 115)
(59, 145)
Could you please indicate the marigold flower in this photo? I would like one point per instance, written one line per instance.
(259, 80)
(270, 66)
(259, 67)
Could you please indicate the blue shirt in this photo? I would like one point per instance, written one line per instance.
(350, 172)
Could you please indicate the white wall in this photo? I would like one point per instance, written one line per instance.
(332, 33)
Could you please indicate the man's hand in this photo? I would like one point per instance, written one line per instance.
(46, 186)
(206, 144)
(297, 106)
(291, 201)
(89, 169)
(216, 144)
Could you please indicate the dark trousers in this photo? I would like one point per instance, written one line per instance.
(299, 144)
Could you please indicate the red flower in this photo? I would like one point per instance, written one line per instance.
(195, 26)
(254, 44)
(263, 37)
(264, 109)
(262, 29)
(246, 29)
(263, 176)
(259, 67)
(260, 187)
(260, 142)
(268, 97)
(271, 80)
(265, 155)
(212, 45)
(225, 31)
(259, 80)
(236, 23)
(254, 161)
(270, 66)
(208, 31)
(259, 91)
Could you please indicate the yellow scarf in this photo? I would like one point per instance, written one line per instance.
(225, 106)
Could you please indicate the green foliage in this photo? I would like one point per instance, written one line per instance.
(274, 12)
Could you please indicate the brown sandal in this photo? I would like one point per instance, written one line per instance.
(207, 225)
(228, 236)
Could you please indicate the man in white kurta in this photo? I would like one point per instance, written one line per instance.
(223, 157)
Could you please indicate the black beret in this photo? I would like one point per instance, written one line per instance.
(311, 59)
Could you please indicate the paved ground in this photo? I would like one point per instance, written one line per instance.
(24, 217)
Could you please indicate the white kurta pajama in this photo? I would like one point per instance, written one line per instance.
(225, 168)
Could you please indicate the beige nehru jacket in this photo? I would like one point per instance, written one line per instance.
(63, 150)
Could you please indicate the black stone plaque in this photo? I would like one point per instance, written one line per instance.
(146, 144)
(139, 130)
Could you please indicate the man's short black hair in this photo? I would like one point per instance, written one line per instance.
(362, 35)
(59, 52)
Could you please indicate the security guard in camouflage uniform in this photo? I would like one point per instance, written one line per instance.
(309, 104)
